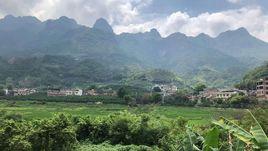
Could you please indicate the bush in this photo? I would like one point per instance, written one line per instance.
(125, 128)
(122, 92)
(156, 98)
(180, 99)
(240, 101)
(109, 147)
(54, 134)
(14, 136)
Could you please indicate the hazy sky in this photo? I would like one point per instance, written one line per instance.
(191, 17)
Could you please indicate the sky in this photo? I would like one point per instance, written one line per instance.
(190, 17)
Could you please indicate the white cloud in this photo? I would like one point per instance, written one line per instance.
(16, 7)
(86, 12)
(234, 1)
(210, 23)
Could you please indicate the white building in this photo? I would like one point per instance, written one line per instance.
(65, 92)
(220, 93)
(78, 92)
(167, 89)
(226, 94)
(23, 91)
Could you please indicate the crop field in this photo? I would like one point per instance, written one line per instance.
(31, 110)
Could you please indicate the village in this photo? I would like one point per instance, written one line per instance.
(59, 92)
(260, 92)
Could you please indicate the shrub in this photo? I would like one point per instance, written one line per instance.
(54, 134)
(14, 136)
(240, 101)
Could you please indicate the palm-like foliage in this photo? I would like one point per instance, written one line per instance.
(256, 137)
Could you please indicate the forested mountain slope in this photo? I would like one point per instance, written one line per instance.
(216, 61)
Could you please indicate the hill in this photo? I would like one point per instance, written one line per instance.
(251, 77)
(66, 71)
(213, 61)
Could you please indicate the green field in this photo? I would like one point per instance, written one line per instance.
(33, 110)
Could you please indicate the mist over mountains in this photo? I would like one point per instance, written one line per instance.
(218, 61)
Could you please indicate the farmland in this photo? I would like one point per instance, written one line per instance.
(31, 110)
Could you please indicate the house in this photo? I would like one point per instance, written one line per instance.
(23, 91)
(228, 93)
(55, 92)
(209, 93)
(167, 89)
(262, 88)
(78, 92)
(65, 92)
(220, 93)
(91, 92)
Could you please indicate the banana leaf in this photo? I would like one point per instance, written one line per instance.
(258, 133)
(211, 142)
(236, 130)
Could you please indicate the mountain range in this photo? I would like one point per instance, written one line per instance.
(216, 61)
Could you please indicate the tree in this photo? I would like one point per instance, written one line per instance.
(199, 87)
(2, 92)
(128, 99)
(122, 92)
(157, 98)
(54, 134)
(157, 89)
(92, 87)
(145, 98)
(10, 87)
(240, 101)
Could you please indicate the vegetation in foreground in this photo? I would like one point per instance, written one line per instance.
(32, 110)
(127, 131)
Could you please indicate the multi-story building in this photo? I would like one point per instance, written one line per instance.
(23, 91)
(220, 93)
(226, 94)
(262, 88)
(64, 92)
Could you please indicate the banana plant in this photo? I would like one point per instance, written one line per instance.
(195, 142)
(256, 137)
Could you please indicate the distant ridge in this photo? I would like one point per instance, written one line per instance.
(103, 25)
(229, 53)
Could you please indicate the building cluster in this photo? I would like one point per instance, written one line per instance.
(261, 91)
(214, 93)
(79, 92)
(19, 92)
(65, 92)
(60, 92)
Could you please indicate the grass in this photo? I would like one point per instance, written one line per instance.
(32, 110)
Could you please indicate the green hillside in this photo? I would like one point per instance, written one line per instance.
(250, 79)
(66, 71)
(99, 55)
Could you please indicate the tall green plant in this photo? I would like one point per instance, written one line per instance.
(196, 142)
(256, 137)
